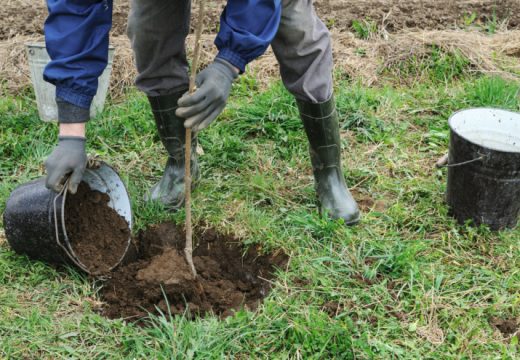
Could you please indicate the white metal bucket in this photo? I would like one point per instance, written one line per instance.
(45, 92)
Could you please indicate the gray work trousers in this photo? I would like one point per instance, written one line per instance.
(158, 28)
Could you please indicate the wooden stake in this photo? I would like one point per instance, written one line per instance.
(188, 248)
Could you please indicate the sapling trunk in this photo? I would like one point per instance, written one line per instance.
(188, 248)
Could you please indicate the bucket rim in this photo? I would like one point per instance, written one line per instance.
(452, 128)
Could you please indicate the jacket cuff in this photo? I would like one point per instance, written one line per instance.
(233, 58)
(74, 97)
(69, 113)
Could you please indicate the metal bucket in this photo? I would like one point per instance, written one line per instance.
(34, 218)
(484, 167)
(45, 92)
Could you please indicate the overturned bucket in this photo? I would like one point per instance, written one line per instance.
(484, 167)
(34, 217)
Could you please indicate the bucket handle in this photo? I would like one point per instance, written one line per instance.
(443, 162)
(67, 247)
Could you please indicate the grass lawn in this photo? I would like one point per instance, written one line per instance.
(407, 283)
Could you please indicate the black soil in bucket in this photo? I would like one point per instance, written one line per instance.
(159, 277)
(97, 233)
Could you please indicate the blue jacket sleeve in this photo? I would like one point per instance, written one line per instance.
(76, 36)
(247, 27)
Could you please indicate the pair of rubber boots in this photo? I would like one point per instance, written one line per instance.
(322, 128)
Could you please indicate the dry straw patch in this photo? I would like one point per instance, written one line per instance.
(496, 54)
(2, 238)
(364, 59)
(14, 71)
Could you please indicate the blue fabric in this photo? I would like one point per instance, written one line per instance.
(76, 35)
(247, 27)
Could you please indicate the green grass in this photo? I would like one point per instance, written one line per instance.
(436, 66)
(364, 29)
(407, 283)
(489, 23)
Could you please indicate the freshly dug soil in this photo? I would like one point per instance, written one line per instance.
(396, 15)
(160, 278)
(26, 17)
(98, 234)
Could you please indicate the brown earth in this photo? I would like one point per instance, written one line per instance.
(26, 17)
(396, 15)
(99, 241)
(159, 277)
(507, 327)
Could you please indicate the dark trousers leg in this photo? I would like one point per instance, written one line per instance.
(304, 51)
(157, 30)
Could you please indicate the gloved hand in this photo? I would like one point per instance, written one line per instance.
(207, 102)
(68, 158)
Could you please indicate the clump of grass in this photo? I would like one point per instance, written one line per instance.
(470, 18)
(435, 65)
(492, 24)
(364, 29)
(493, 92)
(357, 111)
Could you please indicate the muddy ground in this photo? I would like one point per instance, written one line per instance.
(156, 277)
(26, 17)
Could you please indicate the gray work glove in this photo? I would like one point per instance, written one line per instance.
(68, 158)
(207, 102)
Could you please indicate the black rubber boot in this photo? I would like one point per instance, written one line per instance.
(322, 128)
(170, 189)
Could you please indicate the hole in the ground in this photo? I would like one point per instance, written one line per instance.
(507, 327)
(156, 276)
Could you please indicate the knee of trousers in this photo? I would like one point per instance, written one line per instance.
(300, 26)
(158, 24)
(157, 39)
(303, 48)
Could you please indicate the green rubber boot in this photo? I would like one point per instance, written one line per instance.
(170, 189)
(322, 128)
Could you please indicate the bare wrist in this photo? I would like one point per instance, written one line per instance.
(74, 129)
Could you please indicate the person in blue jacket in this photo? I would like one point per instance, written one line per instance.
(77, 38)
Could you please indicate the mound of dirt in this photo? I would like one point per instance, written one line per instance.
(99, 241)
(160, 278)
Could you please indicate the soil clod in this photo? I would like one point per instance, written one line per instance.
(160, 279)
(97, 233)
